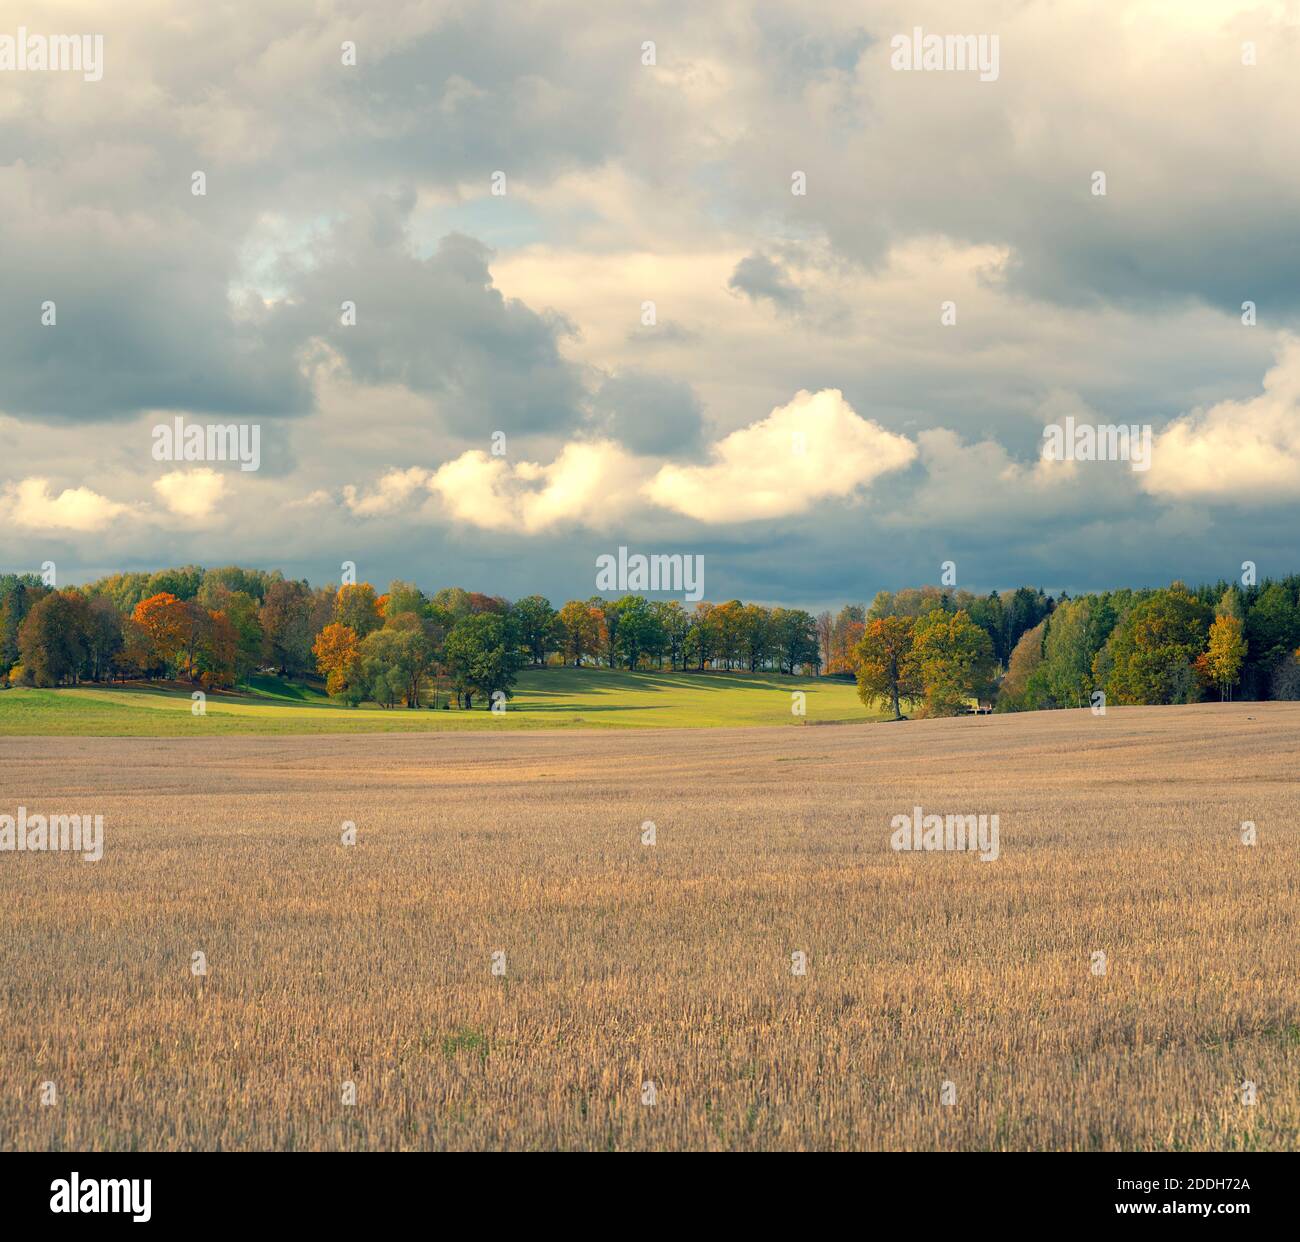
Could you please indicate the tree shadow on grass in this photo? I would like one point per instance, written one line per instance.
(589, 707)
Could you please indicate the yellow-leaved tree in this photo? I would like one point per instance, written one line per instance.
(337, 657)
(1225, 654)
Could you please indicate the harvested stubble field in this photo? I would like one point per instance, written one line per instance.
(670, 963)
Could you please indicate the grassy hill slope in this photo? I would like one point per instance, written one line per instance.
(550, 698)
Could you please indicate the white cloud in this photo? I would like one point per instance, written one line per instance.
(586, 484)
(391, 492)
(815, 448)
(191, 493)
(981, 480)
(30, 504)
(1242, 451)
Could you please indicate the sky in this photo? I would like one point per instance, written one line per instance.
(504, 287)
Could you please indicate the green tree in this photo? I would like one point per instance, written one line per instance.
(1026, 659)
(184, 583)
(52, 639)
(394, 662)
(404, 597)
(954, 661)
(482, 656)
(1272, 626)
(987, 612)
(638, 629)
(756, 636)
(702, 637)
(1153, 649)
(18, 596)
(676, 625)
(794, 640)
(538, 624)
(1071, 641)
(357, 606)
(233, 580)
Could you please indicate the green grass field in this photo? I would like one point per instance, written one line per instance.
(552, 698)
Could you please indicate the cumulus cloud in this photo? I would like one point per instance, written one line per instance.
(588, 483)
(30, 504)
(1236, 451)
(526, 312)
(813, 449)
(980, 482)
(390, 493)
(191, 494)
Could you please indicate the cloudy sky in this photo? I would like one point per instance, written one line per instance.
(591, 310)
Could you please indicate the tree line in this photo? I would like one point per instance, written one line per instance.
(216, 627)
(1029, 652)
(931, 650)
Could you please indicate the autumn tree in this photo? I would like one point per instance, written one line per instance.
(608, 614)
(1152, 652)
(1026, 659)
(103, 636)
(166, 624)
(726, 620)
(287, 627)
(886, 673)
(702, 638)
(1225, 654)
(336, 655)
(953, 661)
(582, 628)
(357, 607)
(51, 639)
(19, 594)
(136, 657)
(216, 659)
(846, 632)
(241, 612)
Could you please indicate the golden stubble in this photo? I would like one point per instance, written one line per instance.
(671, 963)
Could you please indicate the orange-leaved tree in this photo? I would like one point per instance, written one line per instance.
(583, 628)
(337, 656)
(163, 620)
(886, 670)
